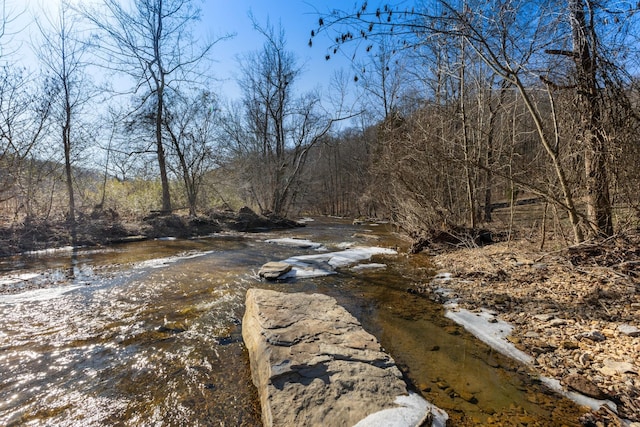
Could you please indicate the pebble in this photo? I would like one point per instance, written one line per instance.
(629, 330)
(584, 359)
(544, 317)
(557, 322)
(469, 397)
(583, 385)
(593, 336)
(612, 367)
(570, 345)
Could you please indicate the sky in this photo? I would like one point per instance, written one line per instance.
(231, 17)
(297, 17)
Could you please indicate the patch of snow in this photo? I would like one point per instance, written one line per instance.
(306, 219)
(493, 333)
(369, 266)
(52, 250)
(296, 243)
(411, 411)
(166, 239)
(580, 399)
(306, 266)
(346, 245)
(163, 262)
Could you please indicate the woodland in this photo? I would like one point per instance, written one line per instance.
(451, 112)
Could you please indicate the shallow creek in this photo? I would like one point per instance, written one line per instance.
(149, 333)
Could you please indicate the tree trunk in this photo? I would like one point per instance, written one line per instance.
(66, 142)
(465, 140)
(162, 164)
(592, 133)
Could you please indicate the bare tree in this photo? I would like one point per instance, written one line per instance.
(511, 38)
(62, 55)
(192, 128)
(25, 108)
(383, 79)
(280, 129)
(593, 134)
(152, 42)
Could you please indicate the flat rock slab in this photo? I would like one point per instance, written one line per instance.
(313, 364)
(273, 270)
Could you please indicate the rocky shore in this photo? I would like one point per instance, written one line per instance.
(575, 311)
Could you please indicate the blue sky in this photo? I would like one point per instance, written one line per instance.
(297, 17)
(221, 17)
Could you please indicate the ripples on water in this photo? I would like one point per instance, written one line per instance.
(149, 333)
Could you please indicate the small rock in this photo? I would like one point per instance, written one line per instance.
(629, 330)
(469, 397)
(442, 385)
(570, 345)
(593, 336)
(557, 322)
(452, 330)
(584, 359)
(583, 385)
(273, 270)
(612, 367)
(544, 317)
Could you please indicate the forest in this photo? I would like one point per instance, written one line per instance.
(459, 108)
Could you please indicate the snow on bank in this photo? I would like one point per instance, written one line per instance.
(163, 262)
(411, 411)
(297, 243)
(494, 332)
(490, 330)
(370, 266)
(580, 399)
(305, 266)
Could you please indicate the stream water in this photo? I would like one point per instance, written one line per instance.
(149, 333)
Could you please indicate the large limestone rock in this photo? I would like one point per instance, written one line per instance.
(313, 364)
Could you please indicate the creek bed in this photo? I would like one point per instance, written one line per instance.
(149, 332)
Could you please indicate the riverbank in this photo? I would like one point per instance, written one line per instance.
(575, 311)
(104, 227)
